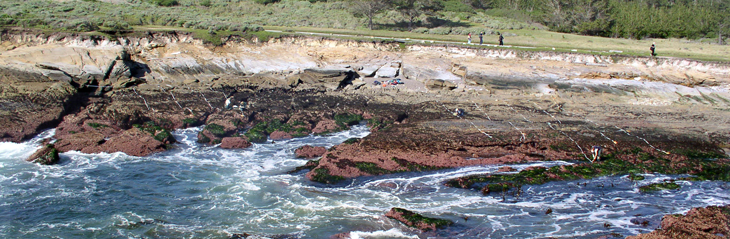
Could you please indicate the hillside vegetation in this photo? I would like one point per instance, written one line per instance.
(692, 19)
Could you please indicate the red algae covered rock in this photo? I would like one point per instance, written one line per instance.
(708, 222)
(308, 151)
(235, 143)
(132, 142)
(406, 148)
(280, 135)
(325, 126)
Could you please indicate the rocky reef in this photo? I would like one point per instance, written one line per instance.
(708, 222)
(127, 93)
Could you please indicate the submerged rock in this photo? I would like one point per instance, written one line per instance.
(47, 155)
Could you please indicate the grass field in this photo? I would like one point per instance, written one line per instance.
(545, 41)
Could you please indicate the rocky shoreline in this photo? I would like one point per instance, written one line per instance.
(125, 94)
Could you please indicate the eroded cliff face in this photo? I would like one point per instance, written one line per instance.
(45, 77)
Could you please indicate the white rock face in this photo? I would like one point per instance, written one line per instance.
(387, 72)
(369, 70)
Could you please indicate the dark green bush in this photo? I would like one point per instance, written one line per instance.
(166, 3)
(264, 2)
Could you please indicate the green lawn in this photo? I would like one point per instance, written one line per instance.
(545, 41)
(527, 40)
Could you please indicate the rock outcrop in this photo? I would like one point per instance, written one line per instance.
(308, 151)
(46, 155)
(708, 222)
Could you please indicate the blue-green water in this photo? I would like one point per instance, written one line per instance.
(197, 191)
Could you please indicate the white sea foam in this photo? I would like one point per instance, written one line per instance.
(391, 233)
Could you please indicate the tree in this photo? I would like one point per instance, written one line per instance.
(412, 9)
(369, 8)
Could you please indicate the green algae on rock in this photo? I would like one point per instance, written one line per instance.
(416, 220)
(158, 132)
(659, 186)
(47, 155)
(631, 163)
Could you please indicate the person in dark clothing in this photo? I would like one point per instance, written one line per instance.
(501, 39)
(652, 48)
(481, 38)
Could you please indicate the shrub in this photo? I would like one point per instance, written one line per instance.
(166, 3)
(116, 25)
(264, 2)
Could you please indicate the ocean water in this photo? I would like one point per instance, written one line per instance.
(197, 191)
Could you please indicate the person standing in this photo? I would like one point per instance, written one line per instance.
(652, 48)
(596, 153)
(501, 39)
(481, 38)
(469, 38)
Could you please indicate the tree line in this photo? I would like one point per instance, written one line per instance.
(636, 19)
(608, 18)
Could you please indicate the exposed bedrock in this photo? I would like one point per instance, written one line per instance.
(708, 222)
(95, 89)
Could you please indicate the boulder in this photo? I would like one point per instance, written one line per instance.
(217, 128)
(387, 72)
(369, 70)
(325, 126)
(440, 85)
(330, 78)
(119, 69)
(134, 142)
(79, 141)
(308, 151)
(357, 84)
(235, 143)
(458, 70)
(47, 155)
(280, 135)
